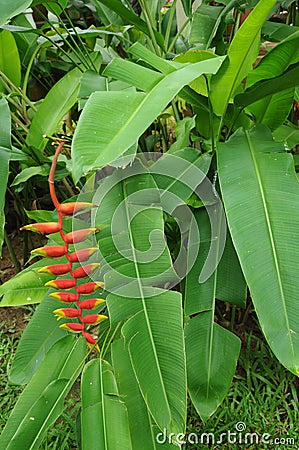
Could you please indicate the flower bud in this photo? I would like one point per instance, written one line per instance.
(54, 251)
(84, 271)
(66, 297)
(93, 319)
(79, 235)
(89, 288)
(75, 327)
(68, 209)
(56, 269)
(61, 284)
(66, 312)
(82, 255)
(43, 228)
(91, 303)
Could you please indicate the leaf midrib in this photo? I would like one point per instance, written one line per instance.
(271, 235)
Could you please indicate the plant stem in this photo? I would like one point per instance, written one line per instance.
(12, 252)
(170, 20)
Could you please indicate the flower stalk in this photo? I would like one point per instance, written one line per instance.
(78, 306)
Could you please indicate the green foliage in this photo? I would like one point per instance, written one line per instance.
(163, 111)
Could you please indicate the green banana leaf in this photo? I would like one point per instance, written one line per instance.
(242, 53)
(211, 351)
(55, 105)
(212, 354)
(5, 152)
(288, 134)
(11, 9)
(9, 59)
(134, 259)
(41, 401)
(125, 116)
(260, 193)
(138, 414)
(26, 287)
(104, 417)
(38, 337)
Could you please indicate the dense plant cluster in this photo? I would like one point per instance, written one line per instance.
(179, 121)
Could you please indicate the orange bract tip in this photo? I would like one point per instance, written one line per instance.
(51, 251)
(43, 228)
(61, 284)
(56, 269)
(70, 208)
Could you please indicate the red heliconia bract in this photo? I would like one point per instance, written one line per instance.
(56, 269)
(90, 303)
(68, 209)
(43, 228)
(82, 255)
(61, 284)
(56, 251)
(89, 288)
(66, 297)
(74, 237)
(75, 327)
(51, 251)
(84, 271)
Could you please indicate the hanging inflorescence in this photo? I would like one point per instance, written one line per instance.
(80, 311)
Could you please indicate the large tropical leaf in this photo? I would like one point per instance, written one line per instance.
(55, 105)
(211, 350)
(26, 287)
(39, 336)
(11, 9)
(5, 151)
(212, 354)
(41, 401)
(260, 192)
(125, 116)
(9, 59)
(104, 417)
(135, 258)
(241, 54)
(138, 414)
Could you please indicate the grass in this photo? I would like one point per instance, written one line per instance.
(263, 397)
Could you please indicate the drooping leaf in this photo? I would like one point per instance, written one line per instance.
(104, 417)
(288, 134)
(125, 116)
(154, 337)
(30, 172)
(11, 9)
(26, 287)
(38, 337)
(260, 193)
(5, 152)
(55, 105)
(9, 59)
(242, 52)
(41, 401)
(212, 354)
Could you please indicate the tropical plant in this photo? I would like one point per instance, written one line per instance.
(165, 252)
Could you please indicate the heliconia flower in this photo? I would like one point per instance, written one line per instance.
(68, 209)
(89, 288)
(52, 251)
(43, 228)
(79, 235)
(89, 339)
(82, 255)
(66, 297)
(93, 319)
(66, 312)
(61, 284)
(75, 327)
(84, 271)
(90, 303)
(55, 269)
